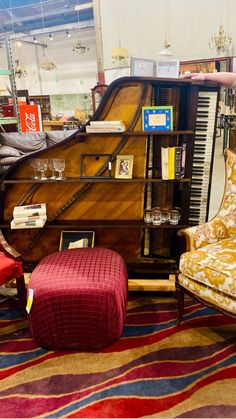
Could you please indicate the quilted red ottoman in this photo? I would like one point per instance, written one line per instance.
(79, 299)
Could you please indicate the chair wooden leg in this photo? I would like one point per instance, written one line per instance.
(180, 304)
(21, 289)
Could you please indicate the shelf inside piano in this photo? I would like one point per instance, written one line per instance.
(93, 180)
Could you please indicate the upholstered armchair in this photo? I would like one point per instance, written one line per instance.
(208, 268)
(11, 268)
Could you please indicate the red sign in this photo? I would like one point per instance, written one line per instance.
(30, 118)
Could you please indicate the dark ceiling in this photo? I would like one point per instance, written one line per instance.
(24, 16)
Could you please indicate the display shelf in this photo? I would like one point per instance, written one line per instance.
(8, 120)
(138, 133)
(105, 224)
(93, 180)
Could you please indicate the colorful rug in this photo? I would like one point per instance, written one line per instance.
(156, 369)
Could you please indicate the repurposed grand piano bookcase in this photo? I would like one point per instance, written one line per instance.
(114, 208)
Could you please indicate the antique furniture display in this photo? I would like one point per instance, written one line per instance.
(11, 268)
(80, 298)
(208, 268)
(114, 207)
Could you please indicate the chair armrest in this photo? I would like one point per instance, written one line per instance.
(206, 233)
(7, 249)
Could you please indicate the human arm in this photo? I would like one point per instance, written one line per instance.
(226, 79)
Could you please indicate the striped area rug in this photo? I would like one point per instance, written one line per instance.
(155, 370)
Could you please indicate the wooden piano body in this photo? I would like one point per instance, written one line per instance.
(114, 208)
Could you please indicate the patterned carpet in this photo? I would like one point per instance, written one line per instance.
(155, 370)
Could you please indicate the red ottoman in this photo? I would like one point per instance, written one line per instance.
(79, 299)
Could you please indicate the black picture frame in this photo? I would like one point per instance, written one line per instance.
(96, 156)
(79, 238)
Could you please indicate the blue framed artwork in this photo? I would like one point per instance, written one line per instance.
(157, 118)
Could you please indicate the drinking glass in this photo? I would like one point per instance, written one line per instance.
(34, 167)
(59, 166)
(42, 167)
(174, 216)
(156, 216)
(51, 167)
(148, 216)
(165, 215)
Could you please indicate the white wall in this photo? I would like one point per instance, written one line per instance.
(141, 26)
(75, 73)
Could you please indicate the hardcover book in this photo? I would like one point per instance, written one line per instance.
(157, 118)
(29, 210)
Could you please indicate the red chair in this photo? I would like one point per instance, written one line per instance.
(11, 268)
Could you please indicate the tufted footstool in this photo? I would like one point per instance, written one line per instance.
(79, 299)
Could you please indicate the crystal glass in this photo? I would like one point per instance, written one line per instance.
(51, 166)
(156, 216)
(165, 215)
(148, 216)
(42, 167)
(34, 167)
(174, 216)
(59, 166)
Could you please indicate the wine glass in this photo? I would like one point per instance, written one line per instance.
(51, 167)
(59, 165)
(42, 167)
(34, 167)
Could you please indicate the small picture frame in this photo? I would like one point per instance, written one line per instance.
(157, 118)
(124, 167)
(76, 239)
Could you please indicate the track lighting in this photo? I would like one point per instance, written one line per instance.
(68, 34)
(35, 40)
(50, 37)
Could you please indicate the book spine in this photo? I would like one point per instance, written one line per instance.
(183, 160)
(27, 224)
(35, 209)
(178, 154)
(30, 218)
(171, 163)
(164, 163)
(27, 213)
(104, 129)
(106, 123)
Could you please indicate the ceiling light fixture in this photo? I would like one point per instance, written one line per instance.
(20, 70)
(48, 65)
(221, 41)
(165, 52)
(35, 40)
(78, 47)
(68, 34)
(50, 37)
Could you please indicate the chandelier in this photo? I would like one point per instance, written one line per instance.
(48, 65)
(165, 52)
(80, 48)
(20, 70)
(221, 41)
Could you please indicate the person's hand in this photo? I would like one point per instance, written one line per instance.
(193, 76)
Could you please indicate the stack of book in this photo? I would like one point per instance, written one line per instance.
(105, 126)
(173, 162)
(29, 216)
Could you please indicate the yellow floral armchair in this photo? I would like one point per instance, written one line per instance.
(208, 268)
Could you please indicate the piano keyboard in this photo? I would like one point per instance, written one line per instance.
(202, 156)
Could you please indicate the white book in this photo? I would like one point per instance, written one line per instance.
(165, 163)
(26, 210)
(28, 224)
(114, 128)
(106, 123)
(30, 218)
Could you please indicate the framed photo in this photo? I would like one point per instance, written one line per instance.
(124, 167)
(76, 239)
(157, 118)
(167, 68)
(142, 67)
(87, 161)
